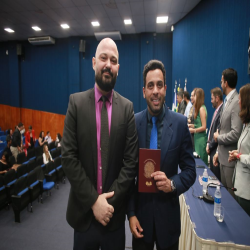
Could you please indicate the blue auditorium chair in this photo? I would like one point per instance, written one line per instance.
(1, 132)
(3, 138)
(3, 193)
(9, 181)
(22, 171)
(21, 158)
(59, 169)
(20, 197)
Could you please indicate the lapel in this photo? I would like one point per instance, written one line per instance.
(167, 133)
(112, 138)
(216, 117)
(92, 122)
(228, 104)
(142, 129)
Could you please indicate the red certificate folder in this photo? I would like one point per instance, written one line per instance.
(149, 162)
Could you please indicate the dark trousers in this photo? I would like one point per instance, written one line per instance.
(98, 237)
(140, 244)
(215, 170)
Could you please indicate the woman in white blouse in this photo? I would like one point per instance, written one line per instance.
(241, 176)
(46, 155)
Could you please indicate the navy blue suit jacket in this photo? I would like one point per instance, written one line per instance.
(163, 209)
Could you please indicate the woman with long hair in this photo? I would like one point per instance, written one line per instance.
(46, 154)
(200, 125)
(41, 139)
(242, 154)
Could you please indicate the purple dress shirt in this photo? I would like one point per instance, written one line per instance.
(98, 111)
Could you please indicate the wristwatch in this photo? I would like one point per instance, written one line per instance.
(172, 185)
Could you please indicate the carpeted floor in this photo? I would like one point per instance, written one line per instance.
(44, 229)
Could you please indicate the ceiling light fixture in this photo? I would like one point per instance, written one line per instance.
(128, 21)
(9, 30)
(95, 24)
(65, 26)
(172, 28)
(162, 19)
(36, 28)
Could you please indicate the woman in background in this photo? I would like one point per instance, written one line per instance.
(58, 140)
(46, 154)
(200, 125)
(30, 138)
(41, 139)
(242, 154)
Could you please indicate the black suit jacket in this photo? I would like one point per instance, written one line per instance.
(79, 158)
(216, 123)
(162, 210)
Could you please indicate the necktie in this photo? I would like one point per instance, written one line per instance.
(153, 137)
(104, 138)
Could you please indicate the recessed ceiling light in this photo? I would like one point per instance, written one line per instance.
(9, 30)
(172, 28)
(162, 19)
(95, 23)
(36, 28)
(65, 26)
(128, 21)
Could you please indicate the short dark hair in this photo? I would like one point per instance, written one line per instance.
(186, 94)
(48, 132)
(152, 65)
(30, 127)
(230, 75)
(20, 125)
(217, 92)
(180, 93)
(245, 103)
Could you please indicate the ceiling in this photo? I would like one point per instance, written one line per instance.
(21, 15)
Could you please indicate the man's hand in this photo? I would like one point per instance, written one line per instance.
(216, 134)
(103, 212)
(207, 149)
(135, 227)
(162, 181)
(232, 155)
(215, 160)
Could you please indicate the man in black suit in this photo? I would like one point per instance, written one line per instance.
(99, 156)
(155, 217)
(217, 102)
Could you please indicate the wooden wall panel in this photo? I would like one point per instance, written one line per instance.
(39, 120)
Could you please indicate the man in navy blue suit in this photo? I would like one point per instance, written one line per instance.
(155, 217)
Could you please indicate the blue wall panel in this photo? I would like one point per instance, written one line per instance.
(213, 37)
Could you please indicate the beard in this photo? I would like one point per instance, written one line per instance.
(105, 83)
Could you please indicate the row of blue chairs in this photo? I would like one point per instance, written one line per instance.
(28, 183)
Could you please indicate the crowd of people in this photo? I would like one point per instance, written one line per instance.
(227, 140)
(20, 141)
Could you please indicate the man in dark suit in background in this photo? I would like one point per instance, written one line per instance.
(180, 100)
(155, 217)
(99, 157)
(217, 101)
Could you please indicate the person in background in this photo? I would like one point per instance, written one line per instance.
(41, 139)
(181, 102)
(5, 165)
(191, 115)
(241, 175)
(7, 148)
(10, 132)
(200, 125)
(188, 102)
(46, 154)
(230, 129)
(217, 101)
(16, 144)
(30, 138)
(48, 137)
(58, 141)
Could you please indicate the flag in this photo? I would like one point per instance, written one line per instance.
(185, 88)
(174, 107)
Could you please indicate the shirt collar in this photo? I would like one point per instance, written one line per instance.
(160, 116)
(98, 95)
(230, 94)
(219, 107)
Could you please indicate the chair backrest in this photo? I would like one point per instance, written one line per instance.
(52, 145)
(3, 144)
(34, 175)
(31, 153)
(58, 161)
(21, 170)
(9, 176)
(21, 158)
(54, 153)
(49, 167)
(37, 144)
(1, 133)
(38, 151)
(12, 160)
(32, 164)
(20, 185)
(3, 137)
(39, 160)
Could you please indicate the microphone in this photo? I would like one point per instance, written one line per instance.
(209, 198)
